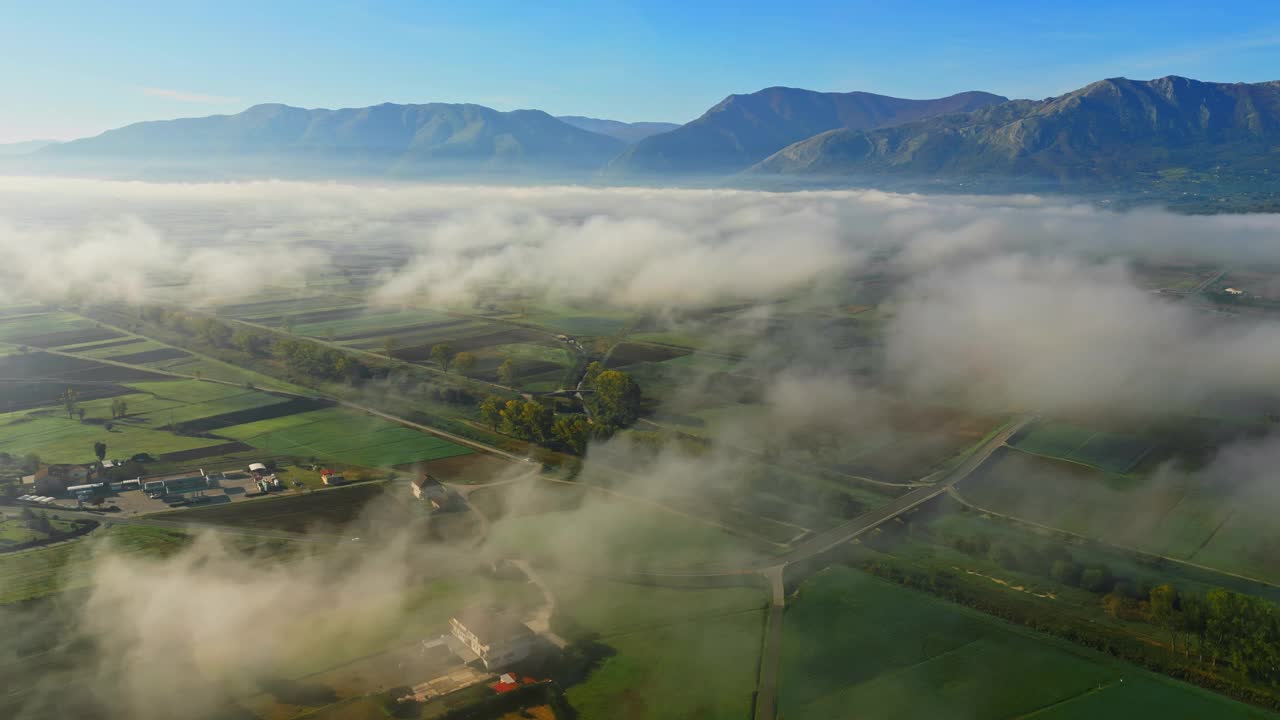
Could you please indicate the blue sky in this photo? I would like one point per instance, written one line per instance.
(76, 68)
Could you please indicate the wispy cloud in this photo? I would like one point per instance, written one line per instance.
(189, 97)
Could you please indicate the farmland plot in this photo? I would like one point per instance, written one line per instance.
(1108, 451)
(340, 434)
(51, 330)
(853, 641)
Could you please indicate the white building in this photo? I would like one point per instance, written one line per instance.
(495, 639)
(429, 489)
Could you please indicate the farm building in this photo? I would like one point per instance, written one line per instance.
(179, 486)
(55, 479)
(258, 468)
(494, 638)
(329, 477)
(88, 491)
(429, 489)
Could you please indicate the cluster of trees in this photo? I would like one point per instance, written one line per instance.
(614, 404)
(1241, 631)
(615, 398)
(533, 421)
(119, 408)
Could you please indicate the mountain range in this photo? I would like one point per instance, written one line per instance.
(624, 131)
(744, 129)
(383, 139)
(1113, 131)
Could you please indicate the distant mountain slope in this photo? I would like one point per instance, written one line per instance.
(382, 138)
(24, 147)
(744, 129)
(1115, 129)
(624, 131)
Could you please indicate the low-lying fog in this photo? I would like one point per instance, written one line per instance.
(993, 304)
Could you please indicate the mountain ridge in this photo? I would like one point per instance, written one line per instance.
(383, 138)
(624, 131)
(745, 128)
(1111, 129)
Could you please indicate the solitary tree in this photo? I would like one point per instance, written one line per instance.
(491, 411)
(100, 449)
(389, 345)
(507, 372)
(464, 362)
(69, 400)
(80, 414)
(617, 398)
(1163, 610)
(442, 354)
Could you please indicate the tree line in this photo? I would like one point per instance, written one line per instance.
(1206, 631)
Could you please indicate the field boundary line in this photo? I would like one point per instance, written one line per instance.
(1064, 701)
(1144, 553)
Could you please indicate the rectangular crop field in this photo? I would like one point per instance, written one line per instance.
(55, 438)
(331, 509)
(51, 329)
(1108, 451)
(657, 639)
(853, 641)
(344, 435)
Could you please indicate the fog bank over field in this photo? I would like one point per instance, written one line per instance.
(631, 247)
(1053, 334)
(997, 304)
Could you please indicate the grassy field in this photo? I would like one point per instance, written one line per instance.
(32, 329)
(852, 641)
(658, 639)
(1184, 517)
(1109, 452)
(343, 435)
(53, 437)
(579, 529)
(29, 574)
(14, 531)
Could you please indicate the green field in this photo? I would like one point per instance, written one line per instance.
(17, 328)
(1184, 517)
(29, 574)
(53, 437)
(658, 639)
(1110, 452)
(49, 433)
(14, 531)
(344, 435)
(550, 527)
(853, 641)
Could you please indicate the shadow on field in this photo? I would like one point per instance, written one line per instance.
(293, 692)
